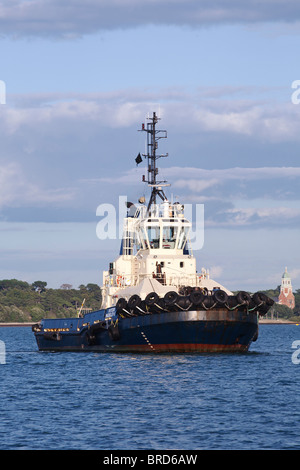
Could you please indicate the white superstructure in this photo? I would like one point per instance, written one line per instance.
(155, 252)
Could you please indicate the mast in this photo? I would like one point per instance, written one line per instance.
(153, 135)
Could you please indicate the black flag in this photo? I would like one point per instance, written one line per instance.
(138, 159)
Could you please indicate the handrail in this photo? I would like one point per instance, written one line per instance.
(129, 280)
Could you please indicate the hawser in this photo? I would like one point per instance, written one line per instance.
(153, 298)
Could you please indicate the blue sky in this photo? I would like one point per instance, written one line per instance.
(80, 79)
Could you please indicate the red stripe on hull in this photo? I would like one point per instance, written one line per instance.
(209, 348)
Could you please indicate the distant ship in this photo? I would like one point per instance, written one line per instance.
(153, 298)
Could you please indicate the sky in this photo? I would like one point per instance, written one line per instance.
(77, 81)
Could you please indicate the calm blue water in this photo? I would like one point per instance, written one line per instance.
(103, 401)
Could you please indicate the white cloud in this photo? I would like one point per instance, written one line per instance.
(198, 179)
(215, 271)
(272, 216)
(14, 118)
(61, 140)
(267, 121)
(16, 190)
(195, 185)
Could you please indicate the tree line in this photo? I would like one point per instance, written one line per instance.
(24, 302)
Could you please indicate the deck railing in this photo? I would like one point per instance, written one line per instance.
(123, 281)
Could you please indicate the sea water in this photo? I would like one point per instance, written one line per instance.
(146, 401)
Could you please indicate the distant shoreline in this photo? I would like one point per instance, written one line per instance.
(261, 322)
(278, 322)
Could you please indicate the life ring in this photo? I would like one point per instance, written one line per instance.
(119, 280)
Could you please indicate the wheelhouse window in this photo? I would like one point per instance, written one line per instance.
(169, 237)
(182, 237)
(165, 234)
(143, 238)
(154, 236)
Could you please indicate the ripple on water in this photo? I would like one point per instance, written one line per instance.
(103, 401)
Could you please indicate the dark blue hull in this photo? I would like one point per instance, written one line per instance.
(216, 330)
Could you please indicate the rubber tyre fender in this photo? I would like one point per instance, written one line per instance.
(97, 327)
(263, 309)
(134, 301)
(188, 290)
(243, 297)
(208, 301)
(159, 306)
(220, 296)
(121, 304)
(114, 333)
(259, 297)
(232, 301)
(90, 338)
(55, 336)
(171, 298)
(141, 309)
(184, 302)
(196, 297)
(151, 299)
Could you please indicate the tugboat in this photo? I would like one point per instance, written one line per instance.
(154, 300)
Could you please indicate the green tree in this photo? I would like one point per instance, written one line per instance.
(13, 283)
(20, 301)
(95, 290)
(39, 286)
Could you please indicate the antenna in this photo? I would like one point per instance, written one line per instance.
(153, 136)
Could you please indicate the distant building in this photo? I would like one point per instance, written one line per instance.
(286, 296)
